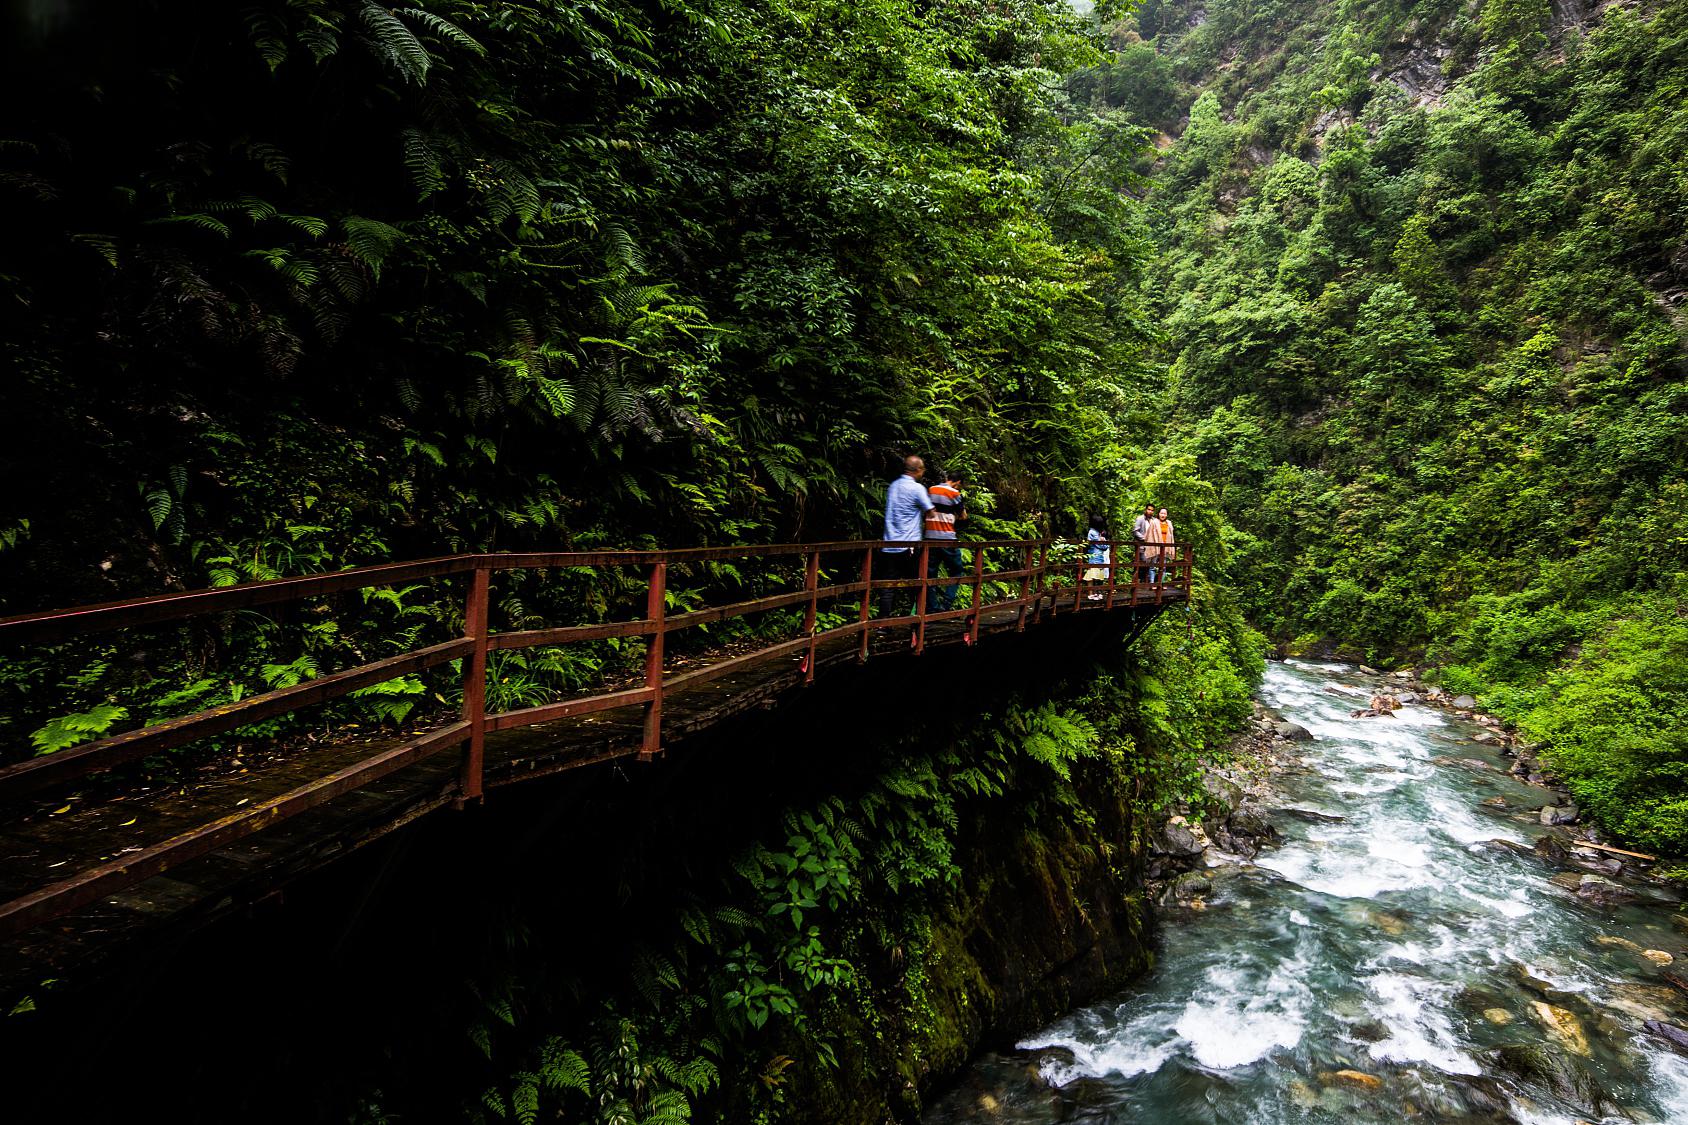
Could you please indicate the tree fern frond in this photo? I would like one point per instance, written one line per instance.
(558, 395)
(159, 504)
(266, 36)
(371, 240)
(422, 163)
(520, 193)
(409, 397)
(562, 1068)
(444, 28)
(268, 157)
(394, 43)
(197, 219)
(310, 224)
(103, 244)
(621, 253)
(320, 37)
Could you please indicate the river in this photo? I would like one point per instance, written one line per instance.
(1389, 964)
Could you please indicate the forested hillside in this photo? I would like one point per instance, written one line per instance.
(1420, 273)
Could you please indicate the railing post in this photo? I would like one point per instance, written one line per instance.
(866, 602)
(921, 558)
(1025, 587)
(811, 583)
(1160, 586)
(1042, 581)
(474, 687)
(1113, 561)
(656, 611)
(978, 593)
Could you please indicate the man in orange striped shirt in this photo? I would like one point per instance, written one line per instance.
(949, 508)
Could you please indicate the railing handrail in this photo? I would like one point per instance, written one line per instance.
(1032, 569)
(156, 609)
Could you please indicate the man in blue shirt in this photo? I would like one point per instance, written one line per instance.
(906, 503)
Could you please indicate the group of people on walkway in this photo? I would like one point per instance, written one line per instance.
(913, 513)
(916, 513)
(1154, 545)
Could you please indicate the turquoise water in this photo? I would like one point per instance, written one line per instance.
(1394, 945)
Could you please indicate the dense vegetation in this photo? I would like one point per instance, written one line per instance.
(1420, 269)
(306, 284)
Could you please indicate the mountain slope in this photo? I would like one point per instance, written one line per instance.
(1422, 283)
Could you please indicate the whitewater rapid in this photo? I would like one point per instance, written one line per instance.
(1370, 967)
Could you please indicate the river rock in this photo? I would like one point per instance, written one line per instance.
(1559, 814)
(1408, 698)
(1292, 732)
(1562, 1026)
(1495, 802)
(1570, 880)
(1403, 674)
(1251, 822)
(1485, 738)
(1670, 1033)
(1553, 1070)
(1463, 703)
(1314, 816)
(1597, 890)
(1500, 1017)
(1367, 671)
(1224, 793)
(1611, 942)
(1176, 839)
(1358, 1078)
(1658, 956)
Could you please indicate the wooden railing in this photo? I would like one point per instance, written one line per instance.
(1032, 584)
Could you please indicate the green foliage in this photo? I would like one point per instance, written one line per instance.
(83, 726)
(309, 284)
(1425, 341)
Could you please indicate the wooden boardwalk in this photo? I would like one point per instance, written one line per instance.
(51, 841)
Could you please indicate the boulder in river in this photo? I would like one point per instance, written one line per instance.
(1597, 890)
(1658, 956)
(1410, 697)
(1292, 732)
(1176, 839)
(1314, 816)
(1670, 1033)
(1367, 671)
(1358, 1078)
(1495, 802)
(1552, 1070)
(1562, 1026)
(1485, 738)
(1250, 822)
(1463, 703)
(1559, 814)
(1611, 942)
(1500, 1017)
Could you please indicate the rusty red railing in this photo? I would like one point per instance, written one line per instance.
(1034, 584)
